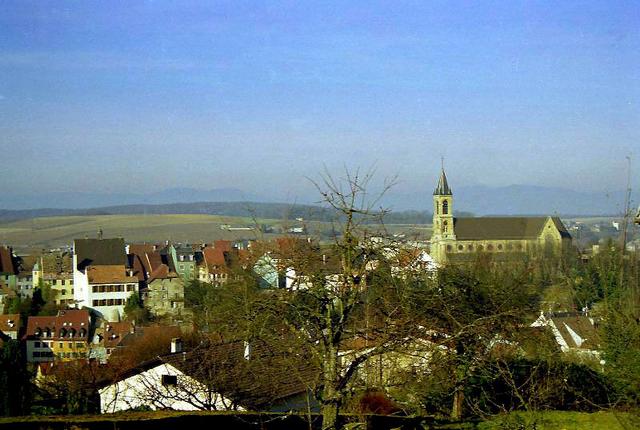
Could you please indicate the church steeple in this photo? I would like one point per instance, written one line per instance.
(443, 220)
(442, 189)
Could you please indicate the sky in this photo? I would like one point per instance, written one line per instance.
(136, 96)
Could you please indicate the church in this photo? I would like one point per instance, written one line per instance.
(460, 239)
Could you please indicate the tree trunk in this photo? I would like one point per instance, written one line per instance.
(458, 400)
(330, 416)
(330, 395)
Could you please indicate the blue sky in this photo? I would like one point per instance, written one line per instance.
(144, 96)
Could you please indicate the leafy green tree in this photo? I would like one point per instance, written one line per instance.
(135, 311)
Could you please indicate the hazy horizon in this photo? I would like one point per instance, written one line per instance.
(148, 96)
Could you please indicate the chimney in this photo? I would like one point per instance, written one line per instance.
(176, 345)
(247, 350)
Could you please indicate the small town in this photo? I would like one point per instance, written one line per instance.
(319, 215)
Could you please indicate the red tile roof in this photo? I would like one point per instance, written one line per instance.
(50, 327)
(6, 261)
(162, 272)
(109, 274)
(224, 245)
(9, 322)
(114, 332)
(214, 257)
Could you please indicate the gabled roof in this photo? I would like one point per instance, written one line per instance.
(141, 248)
(56, 263)
(442, 189)
(99, 252)
(502, 228)
(255, 383)
(224, 245)
(214, 257)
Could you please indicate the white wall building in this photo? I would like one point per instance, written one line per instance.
(101, 280)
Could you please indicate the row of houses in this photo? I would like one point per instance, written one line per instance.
(102, 274)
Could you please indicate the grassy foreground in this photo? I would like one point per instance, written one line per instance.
(553, 420)
(560, 420)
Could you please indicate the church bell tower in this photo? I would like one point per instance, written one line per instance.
(443, 228)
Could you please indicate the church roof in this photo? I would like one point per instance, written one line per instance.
(497, 228)
(442, 189)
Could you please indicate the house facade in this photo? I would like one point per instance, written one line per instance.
(62, 337)
(55, 270)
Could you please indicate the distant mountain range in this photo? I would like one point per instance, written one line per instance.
(68, 200)
(409, 207)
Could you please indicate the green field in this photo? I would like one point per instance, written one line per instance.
(53, 232)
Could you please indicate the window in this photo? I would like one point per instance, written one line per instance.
(445, 207)
(79, 344)
(460, 247)
(61, 345)
(169, 380)
(470, 247)
(500, 247)
(36, 344)
(480, 247)
(490, 247)
(449, 248)
(445, 226)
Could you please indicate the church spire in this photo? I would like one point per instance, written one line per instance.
(442, 189)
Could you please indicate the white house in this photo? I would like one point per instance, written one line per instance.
(160, 385)
(211, 377)
(100, 277)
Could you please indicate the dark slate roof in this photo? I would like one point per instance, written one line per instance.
(500, 228)
(442, 189)
(582, 326)
(99, 252)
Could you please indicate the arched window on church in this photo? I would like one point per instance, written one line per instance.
(437, 208)
(445, 207)
(445, 227)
